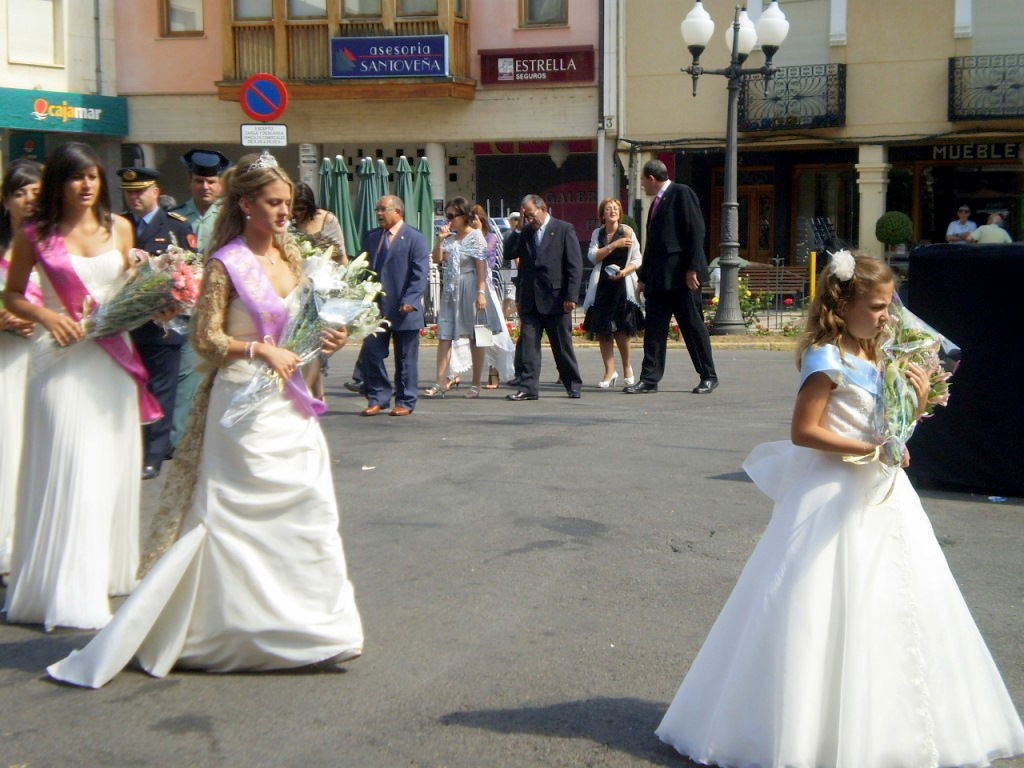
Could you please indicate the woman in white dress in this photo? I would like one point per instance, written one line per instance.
(17, 203)
(77, 514)
(466, 299)
(846, 642)
(255, 578)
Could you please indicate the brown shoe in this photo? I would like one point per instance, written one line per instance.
(400, 410)
(371, 410)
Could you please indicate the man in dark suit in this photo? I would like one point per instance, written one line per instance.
(550, 271)
(401, 259)
(670, 277)
(155, 231)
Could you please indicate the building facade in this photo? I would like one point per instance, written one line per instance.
(58, 78)
(909, 105)
(508, 105)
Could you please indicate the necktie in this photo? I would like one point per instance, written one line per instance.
(537, 237)
(382, 250)
(139, 226)
(654, 207)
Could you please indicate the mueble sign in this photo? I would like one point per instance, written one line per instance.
(525, 66)
(373, 57)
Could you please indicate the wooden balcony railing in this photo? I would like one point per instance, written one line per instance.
(298, 50)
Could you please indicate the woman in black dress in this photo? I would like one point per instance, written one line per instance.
(613, 311)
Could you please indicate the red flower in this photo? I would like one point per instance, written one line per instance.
(788, 302)
(423, 331)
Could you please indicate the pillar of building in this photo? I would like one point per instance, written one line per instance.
(438, 160)
(872, 179)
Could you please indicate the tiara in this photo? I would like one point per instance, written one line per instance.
(265, 160)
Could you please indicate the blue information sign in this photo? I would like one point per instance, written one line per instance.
(374, 57)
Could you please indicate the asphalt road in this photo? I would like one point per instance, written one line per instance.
(534, 579)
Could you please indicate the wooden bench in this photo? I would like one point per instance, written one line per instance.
(778, 281)
(773, 281)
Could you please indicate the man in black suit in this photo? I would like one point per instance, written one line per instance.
(550, 271)
(155, 231)
(670, 277)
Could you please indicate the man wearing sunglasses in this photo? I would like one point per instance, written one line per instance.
(959, 231)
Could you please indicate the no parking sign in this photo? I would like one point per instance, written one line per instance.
(263, 97)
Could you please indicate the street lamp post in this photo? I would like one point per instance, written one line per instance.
(771, 30)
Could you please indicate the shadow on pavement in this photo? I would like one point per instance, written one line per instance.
(623, 724)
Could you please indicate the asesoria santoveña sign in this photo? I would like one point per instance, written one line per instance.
(64, 112)
(373, 57)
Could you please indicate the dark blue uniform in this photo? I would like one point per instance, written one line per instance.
(160, 350)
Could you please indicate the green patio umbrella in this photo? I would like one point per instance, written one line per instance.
(366, 198)
(383, 186)
(341, 198)
(404, 186)
(423, 200)
(325, 185)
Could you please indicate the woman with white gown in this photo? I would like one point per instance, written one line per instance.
(846, 642)
(17, 202)
(255, 578)
(77, 513)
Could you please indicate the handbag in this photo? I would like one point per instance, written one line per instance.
(482, 335)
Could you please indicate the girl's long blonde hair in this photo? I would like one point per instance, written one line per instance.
(825, 324)
(246, 181)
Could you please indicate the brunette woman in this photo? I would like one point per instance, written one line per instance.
(77, 514)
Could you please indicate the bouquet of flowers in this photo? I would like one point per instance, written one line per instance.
(911, 340)
(156, 283)
(333, 296)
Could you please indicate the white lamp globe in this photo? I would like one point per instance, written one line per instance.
(772, 27)
(747, 37)
(697, 27)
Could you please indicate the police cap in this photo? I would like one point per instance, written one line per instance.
(137, 177)
(205, 162)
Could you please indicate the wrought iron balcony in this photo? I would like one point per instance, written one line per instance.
(986, 87)
(806, 96)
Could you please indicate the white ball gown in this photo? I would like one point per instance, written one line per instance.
(76, 537)
(846, 642)
(257, 578)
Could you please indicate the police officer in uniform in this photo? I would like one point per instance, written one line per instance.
(205, 167)
(155, 231)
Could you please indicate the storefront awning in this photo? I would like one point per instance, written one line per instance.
(63, 112)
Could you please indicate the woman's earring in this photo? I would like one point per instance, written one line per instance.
(247, 217)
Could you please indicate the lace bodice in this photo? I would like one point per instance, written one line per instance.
(853, 406)
(221, 316)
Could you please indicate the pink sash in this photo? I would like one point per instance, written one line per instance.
(268, 313)
(32, 291)
(52, 254)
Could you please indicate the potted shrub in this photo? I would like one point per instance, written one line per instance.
(895, 230)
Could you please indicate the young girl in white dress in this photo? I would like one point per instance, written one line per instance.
(846, 642)
(255, 578)
(77, 514)
(17, 203)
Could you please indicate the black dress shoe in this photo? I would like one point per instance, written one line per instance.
(355, 386)
(574, 394)
(640, 388)
(149, 472)
(515, 381)
(705, 386)
(517, 396)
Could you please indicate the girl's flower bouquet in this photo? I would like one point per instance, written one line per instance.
(911, 340)
(170, 281)
(333, 296)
